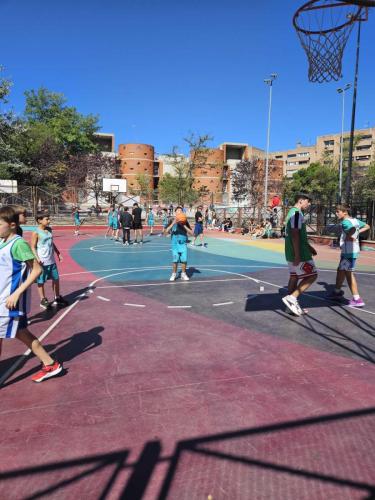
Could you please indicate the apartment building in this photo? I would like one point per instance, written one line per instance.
(327, 148)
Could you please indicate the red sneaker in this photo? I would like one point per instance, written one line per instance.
(47, 371)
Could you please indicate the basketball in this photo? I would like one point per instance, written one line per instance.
(181, 218)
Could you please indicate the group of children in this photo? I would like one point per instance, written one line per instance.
(20, 266)
(299, 255)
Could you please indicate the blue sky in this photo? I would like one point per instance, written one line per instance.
(156, 69)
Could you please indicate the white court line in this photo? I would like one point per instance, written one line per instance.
(134, 305)
(179, 307)
(168, 267)
(103, 298)
(250, 278)
(15, 365)
(162, 283)
(223, 304)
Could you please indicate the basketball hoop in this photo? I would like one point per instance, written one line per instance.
(323, 27)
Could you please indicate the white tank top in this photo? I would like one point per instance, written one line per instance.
(350, 246)
(45, 247)
(12, 274)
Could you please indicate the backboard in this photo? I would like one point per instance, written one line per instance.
(7, 186)
(115, 186)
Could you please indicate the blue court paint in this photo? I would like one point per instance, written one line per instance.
(155, 253)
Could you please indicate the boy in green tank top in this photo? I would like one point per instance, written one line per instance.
(299, 254)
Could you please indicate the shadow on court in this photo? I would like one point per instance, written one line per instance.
(64, 350)
(311, 460)
(329, 321)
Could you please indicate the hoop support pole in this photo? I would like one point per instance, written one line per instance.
(348, 186)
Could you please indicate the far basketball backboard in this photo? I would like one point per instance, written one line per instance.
(115, 186)
(8, 186)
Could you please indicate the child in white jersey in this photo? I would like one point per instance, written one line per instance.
(44, 249)
(349, 245)
(18, 270)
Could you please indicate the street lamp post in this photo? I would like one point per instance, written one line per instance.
(342, 91)
(268, 81)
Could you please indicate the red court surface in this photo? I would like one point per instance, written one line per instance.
(191, 403)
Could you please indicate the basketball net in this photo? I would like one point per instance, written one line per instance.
(323, 27)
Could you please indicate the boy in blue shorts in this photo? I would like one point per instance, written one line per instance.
(77, 221)
(115, 223)
(18, 271)
(150, 220)
(44, 249)
(164, 221)
(198, 228)
(109, 223)
(179, 229)
(349, 245)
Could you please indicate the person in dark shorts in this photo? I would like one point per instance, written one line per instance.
(137, 224)
(126, 221)
(198, 228)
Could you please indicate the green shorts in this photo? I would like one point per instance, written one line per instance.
(49, 273)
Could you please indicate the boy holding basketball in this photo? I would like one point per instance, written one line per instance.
(179, 229)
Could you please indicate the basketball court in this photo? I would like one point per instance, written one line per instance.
(190, 389)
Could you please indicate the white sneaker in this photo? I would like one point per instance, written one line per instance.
(292, 304)
(173, 277)
(185, 277)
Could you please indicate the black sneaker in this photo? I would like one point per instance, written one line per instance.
(60, 301)
(44, 304)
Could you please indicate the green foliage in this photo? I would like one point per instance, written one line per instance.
(178, 188)
(364, 187)
(145, 189)
(72, 130)
(320, 181)
(10, 128)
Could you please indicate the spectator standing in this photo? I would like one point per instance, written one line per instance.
(137, 224)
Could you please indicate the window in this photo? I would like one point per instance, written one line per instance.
(303, 154)
(330, 142)
(304, 162)
(360, 148)
(292, 155)
(277, 157)
(363, 158)
(368, 136)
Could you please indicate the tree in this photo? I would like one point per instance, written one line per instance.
(10, 127)
(199, 154)
(364, 187)
(145, 189)
(320, 181)
(87, 172)
(72, 130)
(248, 182)
(179, 187)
